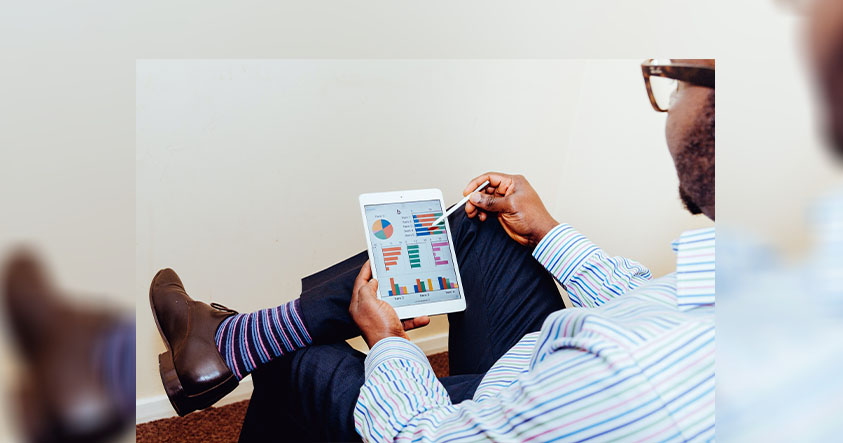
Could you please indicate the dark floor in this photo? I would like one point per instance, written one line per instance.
(223, 424)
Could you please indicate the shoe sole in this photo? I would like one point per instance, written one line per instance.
(181, 401)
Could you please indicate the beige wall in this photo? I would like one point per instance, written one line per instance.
(248, 171)
(68, 108)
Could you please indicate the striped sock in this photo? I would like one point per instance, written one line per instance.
(248, 340)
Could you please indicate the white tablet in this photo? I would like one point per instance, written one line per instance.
(413, 259)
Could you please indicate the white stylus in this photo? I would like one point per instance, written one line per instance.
(460, 204)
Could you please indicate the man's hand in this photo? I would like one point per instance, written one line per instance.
(375, 317)
(519, 208)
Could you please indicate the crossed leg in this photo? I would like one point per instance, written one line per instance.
(311, 394)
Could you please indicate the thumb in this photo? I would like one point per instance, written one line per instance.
(369, 290)
(417, 322)
(489, 202)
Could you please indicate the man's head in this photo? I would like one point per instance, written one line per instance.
(690, 126)
(825, 38)
(690, 139)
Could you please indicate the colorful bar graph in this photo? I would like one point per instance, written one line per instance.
(395, 289)
(437, 260)
(390, 256)
(413, 253)
(419, 286)
(423, 224)
(445, 284)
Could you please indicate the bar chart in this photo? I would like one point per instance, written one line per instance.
(439, 257)
(390, 256)
(423, 224)
(421, 285)
(413, 254)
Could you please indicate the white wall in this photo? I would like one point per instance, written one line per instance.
(68, 108)
(248, 171)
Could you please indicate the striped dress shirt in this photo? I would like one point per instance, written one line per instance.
(633, 361)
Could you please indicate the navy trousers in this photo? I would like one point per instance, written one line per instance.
(310, 395)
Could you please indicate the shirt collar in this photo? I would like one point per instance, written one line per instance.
(695, 268)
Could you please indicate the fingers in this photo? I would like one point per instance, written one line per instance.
(365, 272)
(495, 180)
(418, 322)
(363, 278)
(369, 290)
(366, 294)
(480, 202)
(489, 202)
(470, 210)
(499, 185)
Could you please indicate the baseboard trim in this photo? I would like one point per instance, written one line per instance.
(433, 344)
(157, 407)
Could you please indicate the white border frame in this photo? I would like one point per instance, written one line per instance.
(380, 198)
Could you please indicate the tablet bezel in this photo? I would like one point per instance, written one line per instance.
(379, 198)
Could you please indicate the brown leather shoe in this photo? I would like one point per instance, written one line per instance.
(194, 373)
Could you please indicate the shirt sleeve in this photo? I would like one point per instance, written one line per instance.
(589, 276)
(402, 400)
(400, 385)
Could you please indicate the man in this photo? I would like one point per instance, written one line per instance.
(634, 360)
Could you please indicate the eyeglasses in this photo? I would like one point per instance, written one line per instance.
(662, 77)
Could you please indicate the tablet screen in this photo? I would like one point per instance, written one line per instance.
(412, 256)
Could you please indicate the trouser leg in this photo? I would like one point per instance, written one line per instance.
(508, 294)
(325, 298)
(311, 395)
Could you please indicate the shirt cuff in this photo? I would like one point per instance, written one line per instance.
(394, 348)
(563, 250)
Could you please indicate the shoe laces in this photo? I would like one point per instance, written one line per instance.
(220, 307)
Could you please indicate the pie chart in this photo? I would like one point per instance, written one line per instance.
(382, 229)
